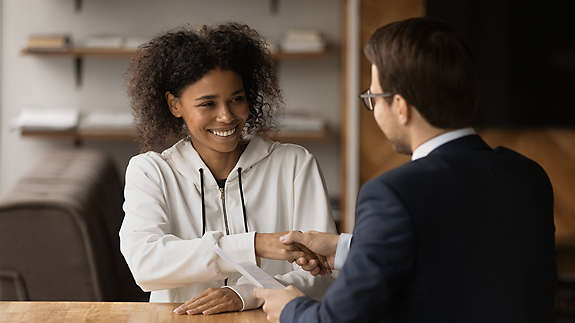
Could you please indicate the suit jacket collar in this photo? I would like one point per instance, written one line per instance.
(425, 148)
(460, 145)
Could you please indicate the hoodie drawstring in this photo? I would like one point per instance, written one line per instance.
(204, 205)
(242, 197)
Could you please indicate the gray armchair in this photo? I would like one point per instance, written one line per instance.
(59, 232)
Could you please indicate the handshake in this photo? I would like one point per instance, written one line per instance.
(313, 251)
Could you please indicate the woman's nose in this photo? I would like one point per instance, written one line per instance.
(225, 114)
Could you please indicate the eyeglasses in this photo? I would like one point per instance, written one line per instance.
(367, 98)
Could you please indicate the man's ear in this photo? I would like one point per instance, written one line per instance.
(402, 109)
(174, 104)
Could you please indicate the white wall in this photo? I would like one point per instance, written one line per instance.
(49, 81)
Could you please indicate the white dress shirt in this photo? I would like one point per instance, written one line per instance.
(421, 151)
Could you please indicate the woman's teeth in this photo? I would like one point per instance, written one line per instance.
(223, 133)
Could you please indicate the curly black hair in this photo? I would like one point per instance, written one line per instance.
(172, 61)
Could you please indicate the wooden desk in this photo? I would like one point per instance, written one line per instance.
(49, 312)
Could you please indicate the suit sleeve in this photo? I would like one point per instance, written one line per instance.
(381, 255)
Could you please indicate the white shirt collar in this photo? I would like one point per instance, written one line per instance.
(428, 146)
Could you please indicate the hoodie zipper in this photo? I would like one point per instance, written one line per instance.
(223, 197)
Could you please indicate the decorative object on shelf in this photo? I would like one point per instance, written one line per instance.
(303, 41)
(49, 41)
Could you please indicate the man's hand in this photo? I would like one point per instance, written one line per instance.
(321, 243)
(268, 245)
(212, 301)
(276, 299)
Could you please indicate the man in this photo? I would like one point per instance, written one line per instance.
(462, 233)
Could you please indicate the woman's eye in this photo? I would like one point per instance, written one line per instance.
(239, 98)
(207, 104)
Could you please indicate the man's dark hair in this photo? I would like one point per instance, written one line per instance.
(172, 61)
(430, 65)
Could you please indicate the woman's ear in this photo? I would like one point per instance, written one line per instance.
(174, 105)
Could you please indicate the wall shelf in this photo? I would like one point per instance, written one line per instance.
(274, 5)
(129, 134)
(79, 53)
(121, 52)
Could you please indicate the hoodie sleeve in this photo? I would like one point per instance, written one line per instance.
(311, 211)
(158, 259)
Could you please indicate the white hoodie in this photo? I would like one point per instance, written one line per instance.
(161, 235)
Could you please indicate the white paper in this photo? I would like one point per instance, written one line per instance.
(252, 272)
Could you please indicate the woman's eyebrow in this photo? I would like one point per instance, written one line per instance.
(207, 97)
(213, 96)
(238, 91)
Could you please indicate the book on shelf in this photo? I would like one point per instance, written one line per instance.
(49, 41)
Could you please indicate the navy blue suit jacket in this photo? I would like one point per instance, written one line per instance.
(465, 234)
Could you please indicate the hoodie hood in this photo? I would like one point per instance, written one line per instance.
(182, 155)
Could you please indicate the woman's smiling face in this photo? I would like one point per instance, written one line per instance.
(215, 110)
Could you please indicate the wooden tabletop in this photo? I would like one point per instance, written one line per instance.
(48, 312)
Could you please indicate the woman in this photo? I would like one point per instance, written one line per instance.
(213, 91)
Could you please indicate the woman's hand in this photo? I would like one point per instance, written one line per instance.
(268, 245)
(212, 301)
